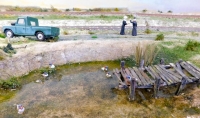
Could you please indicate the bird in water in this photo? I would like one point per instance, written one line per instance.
(45, 74)
(108, 75)
(104, 68)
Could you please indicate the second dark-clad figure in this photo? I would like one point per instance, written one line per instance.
(134, 30)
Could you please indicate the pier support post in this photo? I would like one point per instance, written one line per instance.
(132, 89)
(181, 86)
(156, 87)
(122, 64)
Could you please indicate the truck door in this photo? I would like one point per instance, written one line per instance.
(20, 26)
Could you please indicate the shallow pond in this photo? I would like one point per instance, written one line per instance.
(83, 91)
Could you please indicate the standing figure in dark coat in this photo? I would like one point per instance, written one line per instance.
(134, 30)
(122, 32)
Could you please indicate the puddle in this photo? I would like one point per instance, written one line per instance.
(82, 90)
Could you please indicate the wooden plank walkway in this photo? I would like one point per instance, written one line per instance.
(182, 72)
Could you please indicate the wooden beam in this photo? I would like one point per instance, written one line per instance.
(132, 90)
(135, 76)
(180, 72)
(181, 86)
(140, 76)
(156, 87)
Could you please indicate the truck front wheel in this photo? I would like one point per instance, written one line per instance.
(9, 33)
(40, 36)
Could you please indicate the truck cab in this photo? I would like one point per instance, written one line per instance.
(29, 26)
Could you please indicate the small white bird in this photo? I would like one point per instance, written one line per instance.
(20, 109)
(37, 81)
(108, 75)
(104, 68)
(45, 74)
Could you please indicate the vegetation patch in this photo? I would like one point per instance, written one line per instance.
(94, 36)
(160, 37)
(2, 35)
(9, 49)
(192, 45)
(148, 31)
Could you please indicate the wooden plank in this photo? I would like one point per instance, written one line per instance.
(181, 85)
(152, 75)
(124, 76)
(140, 76)
(169, 74)
(116, 72)
(181, 73)
(172, 73)
(190, 69)
(135, 76)
(168, 82)
(166, 75)
(195, 67)
(146, 77)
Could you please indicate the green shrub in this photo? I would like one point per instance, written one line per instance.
(144, 10)
(2, 35)
(94, 36)
(65, 32)
(90, 32)
(9, 49)
(12, 83)
(147, 31)
(191, 45)
(160, 37)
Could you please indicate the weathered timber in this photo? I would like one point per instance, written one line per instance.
(168, 74)
(175, 75)
(195, 67)
(168, 82)
(181, 86)
(190, 70)
(180, 72)
(148, 79)
(122, 64)
(165, 74)
(149, 71)
(117, 74)
(140, 76)
(135, 76)
(179, 67)
(132, 89)
(156, 87)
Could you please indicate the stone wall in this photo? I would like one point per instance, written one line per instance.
(59, 53)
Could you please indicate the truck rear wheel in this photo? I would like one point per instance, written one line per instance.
(9, 33)
(40, 36)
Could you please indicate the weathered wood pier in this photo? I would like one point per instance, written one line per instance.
(156, 76)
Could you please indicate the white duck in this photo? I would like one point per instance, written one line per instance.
(20, 109)
(108, 75)
(45, 74)
(104, 68)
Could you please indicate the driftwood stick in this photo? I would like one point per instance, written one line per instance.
(181, 86)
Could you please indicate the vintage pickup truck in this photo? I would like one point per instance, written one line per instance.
(29, 26)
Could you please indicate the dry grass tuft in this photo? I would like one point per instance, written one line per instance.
(146, 52)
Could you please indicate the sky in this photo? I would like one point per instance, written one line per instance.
(176, 6)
